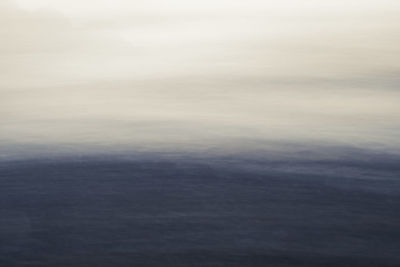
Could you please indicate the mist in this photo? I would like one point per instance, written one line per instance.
(188, 74)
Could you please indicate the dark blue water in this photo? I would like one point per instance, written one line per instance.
(209, 212)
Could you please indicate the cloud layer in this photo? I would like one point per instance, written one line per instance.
(134, 72)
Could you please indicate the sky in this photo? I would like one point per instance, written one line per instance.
(198, 73)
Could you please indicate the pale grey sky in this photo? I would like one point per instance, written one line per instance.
(195, 72)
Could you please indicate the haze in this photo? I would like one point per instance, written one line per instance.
(197, 73)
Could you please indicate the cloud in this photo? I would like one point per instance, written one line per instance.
(202, 71)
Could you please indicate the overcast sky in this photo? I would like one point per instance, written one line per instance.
(191, 72)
